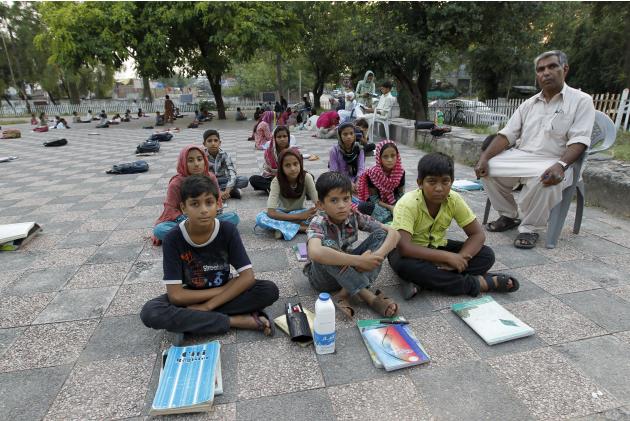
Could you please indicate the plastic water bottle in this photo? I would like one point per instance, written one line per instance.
(324, 325)
(440, 118)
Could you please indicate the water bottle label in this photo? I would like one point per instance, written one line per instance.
(325, 339)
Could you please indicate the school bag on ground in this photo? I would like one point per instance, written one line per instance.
(56, 142)
(129, 168)
(148, 145)
(11, 134)
(161, 137)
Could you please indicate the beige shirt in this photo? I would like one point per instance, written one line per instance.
(277, 201)
(385, 104)
(547, 128)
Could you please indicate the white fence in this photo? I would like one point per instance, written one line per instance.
(113, 106)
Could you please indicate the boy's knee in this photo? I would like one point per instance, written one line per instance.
(487, 255)
(267, 291)
(150, 314)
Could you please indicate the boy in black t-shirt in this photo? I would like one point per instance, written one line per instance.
(200, 296)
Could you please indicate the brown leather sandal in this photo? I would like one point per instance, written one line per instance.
(381, 303)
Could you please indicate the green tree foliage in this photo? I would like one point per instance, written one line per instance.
(596, 38)
(327, 40)
(407, 38)
(501, 53)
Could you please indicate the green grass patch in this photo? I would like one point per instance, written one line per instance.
(13, 121)
(621, 149)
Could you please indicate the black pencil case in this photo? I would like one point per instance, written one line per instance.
(297, 322)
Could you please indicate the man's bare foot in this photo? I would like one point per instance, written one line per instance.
(254, 321)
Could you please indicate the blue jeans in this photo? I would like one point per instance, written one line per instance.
(241, 182)
(161, 229)
(329, 278)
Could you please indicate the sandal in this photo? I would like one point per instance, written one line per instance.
(501, 284)
(409, 289)
(503, 224)
(526, 240)
(261, 325)
(343, 305)
(380, 304)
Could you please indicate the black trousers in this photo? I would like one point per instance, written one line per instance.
(258, 182)
(159, 313)
(427, 275)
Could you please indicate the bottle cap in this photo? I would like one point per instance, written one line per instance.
(324, 296)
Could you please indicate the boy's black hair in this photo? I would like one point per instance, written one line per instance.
(362, 123)
(332, 180)
(387, 84)
(210, 132)
(436, 164)
(196, 185)
(238, 108)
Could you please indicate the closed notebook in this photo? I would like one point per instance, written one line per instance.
(491, 320)
(12, 236)
(300, 252)
(188, 380)
(361, 324)
(395, 346)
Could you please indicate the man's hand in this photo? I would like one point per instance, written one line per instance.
(552, 175)
(457, 261)
(368, 261)
(225, 194)
(481, 169)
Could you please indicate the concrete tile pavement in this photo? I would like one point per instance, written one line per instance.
(69, 303)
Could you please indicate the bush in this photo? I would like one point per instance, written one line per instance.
(621, 149)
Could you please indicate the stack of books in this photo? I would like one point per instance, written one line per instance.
(391, 343)
(190, 378)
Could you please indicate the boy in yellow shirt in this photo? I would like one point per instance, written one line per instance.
(424, 256)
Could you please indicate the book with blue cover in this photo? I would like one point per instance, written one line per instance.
(491, 320)
(393, 345)
(189, 380)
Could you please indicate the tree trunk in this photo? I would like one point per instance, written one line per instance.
(147, 95)
(215, 86)
(279, 75)
(417, 89)
(75, 97)
(52, 98)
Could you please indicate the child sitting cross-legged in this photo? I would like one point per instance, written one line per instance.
(281, 140)
(285, 213)
(336, 266)
(200, 296)
(383, 184)
(192, 161)
(222, 166)
(346, 156)
(424, 256)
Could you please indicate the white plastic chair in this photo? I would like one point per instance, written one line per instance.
(384, 120)
(602, 138)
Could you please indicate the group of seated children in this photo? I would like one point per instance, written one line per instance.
(42, 123)
(409, 229)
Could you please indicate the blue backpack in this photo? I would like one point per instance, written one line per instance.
(161, 137)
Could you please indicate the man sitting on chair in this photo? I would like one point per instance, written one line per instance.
(384, 106)
(549, 132)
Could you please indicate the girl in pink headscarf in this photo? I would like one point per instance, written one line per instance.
(280, 142)
(192, 160)
(380, 186)
(262, 134)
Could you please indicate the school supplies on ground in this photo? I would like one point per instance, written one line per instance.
(466, 185)
(391, 343)
(491, 320)
(13, 236)
(189, 380)
(281, 322)
(301, 252)
(297, 321)
(8, 158)
(129, 167)
(56, 142)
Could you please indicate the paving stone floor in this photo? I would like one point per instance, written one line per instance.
(72, 345)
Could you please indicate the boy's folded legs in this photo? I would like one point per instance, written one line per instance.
(426, 274)
(159, 313)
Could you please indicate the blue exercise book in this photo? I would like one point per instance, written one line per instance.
(394, 345)
(189, 380)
